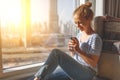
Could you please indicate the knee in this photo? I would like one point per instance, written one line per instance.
(56, 52)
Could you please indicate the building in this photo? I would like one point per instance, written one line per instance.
(53, 17)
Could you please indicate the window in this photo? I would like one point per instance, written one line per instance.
(99, 8)
(27, 31)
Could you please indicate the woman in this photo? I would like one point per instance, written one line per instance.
(86, 49)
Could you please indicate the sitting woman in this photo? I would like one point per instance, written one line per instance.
(85, 47)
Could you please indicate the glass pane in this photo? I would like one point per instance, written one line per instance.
(32, 28)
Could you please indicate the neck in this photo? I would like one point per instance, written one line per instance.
(89, 31)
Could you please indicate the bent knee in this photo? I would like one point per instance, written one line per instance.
(57, 52)
(54, 50)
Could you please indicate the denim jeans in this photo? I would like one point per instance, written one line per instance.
(70, 66)
(58, 74)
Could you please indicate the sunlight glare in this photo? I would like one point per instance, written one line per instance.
(10, 11)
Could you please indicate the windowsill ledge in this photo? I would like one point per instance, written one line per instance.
(19, 72)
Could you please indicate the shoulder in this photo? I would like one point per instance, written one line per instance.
(96, 36)
(96, 44)
(96, 39)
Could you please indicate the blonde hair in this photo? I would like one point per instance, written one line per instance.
(84, 12)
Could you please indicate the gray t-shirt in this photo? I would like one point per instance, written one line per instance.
(92, 46)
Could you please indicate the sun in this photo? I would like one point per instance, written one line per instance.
(11, 11)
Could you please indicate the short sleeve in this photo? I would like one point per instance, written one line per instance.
(95, 45)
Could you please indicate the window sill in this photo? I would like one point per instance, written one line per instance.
(19, 72)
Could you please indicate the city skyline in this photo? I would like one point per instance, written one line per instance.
(57, 19)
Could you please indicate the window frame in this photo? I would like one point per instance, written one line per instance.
(0, 53)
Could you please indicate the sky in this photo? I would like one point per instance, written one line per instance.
(65, 9)
(11, 11)
(39, 10)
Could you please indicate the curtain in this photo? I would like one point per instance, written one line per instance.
(112, 8)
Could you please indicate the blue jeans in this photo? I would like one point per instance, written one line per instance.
(70, 66)
(58, 74)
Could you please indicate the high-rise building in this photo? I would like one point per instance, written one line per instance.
(53, 17)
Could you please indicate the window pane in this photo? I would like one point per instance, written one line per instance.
(32, 28)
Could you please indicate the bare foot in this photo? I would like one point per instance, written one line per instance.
(36, 78)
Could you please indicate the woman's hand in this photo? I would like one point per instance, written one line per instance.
(73, 44)
(76, 44)
(36, 78)
(70, 45)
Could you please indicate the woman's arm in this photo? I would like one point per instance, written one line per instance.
(90, 59)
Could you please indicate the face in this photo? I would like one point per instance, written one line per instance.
(79, 23)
